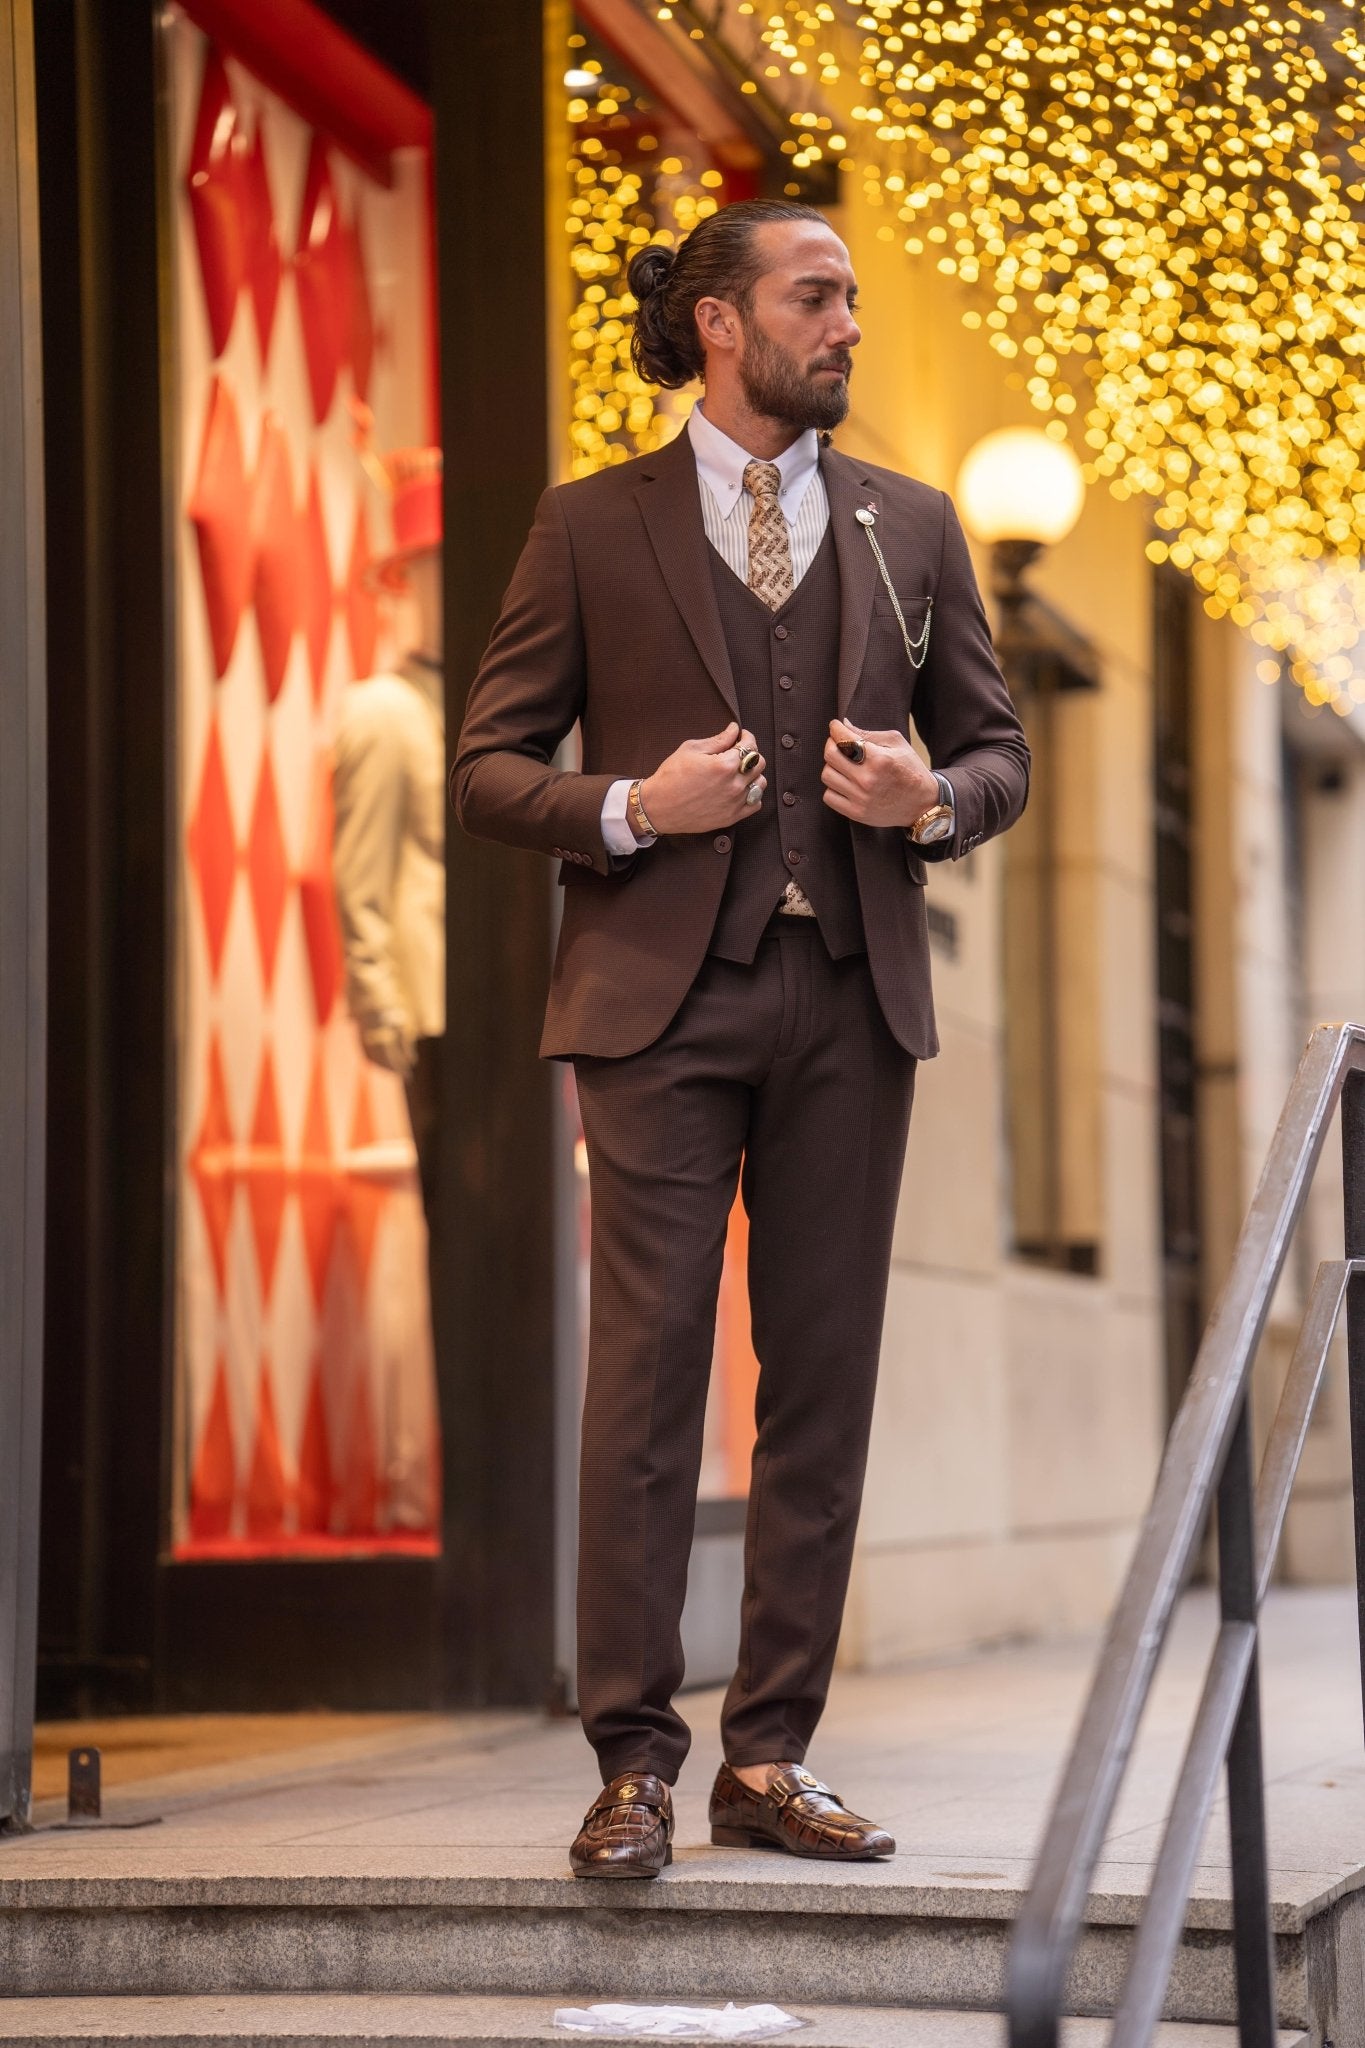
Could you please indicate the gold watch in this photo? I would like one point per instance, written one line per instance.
(938, 823)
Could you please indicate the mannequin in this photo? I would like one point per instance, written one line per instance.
(388, 847)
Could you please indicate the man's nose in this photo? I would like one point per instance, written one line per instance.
(847, 333)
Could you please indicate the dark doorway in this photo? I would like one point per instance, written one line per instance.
(1173, 798)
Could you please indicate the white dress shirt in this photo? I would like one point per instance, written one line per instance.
(725, 510)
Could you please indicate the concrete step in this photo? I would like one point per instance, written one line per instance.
(749, 1927)
(417, 2022)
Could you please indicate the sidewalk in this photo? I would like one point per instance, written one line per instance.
(958, 1759)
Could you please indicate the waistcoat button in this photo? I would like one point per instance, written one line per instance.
(789, 740)
(784, 682)
(794, 857)
(779, 632)
(721, 842)
(788, 797)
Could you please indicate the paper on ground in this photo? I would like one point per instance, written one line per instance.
(677, 2022)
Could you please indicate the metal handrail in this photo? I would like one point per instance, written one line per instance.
(1209, 1449)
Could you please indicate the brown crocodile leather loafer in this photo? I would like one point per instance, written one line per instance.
(796, 1813)
(627, 1831)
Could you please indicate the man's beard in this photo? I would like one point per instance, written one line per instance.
(776, 386)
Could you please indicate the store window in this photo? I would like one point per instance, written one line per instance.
(303, 392)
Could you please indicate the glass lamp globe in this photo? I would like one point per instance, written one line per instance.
(1017, 484)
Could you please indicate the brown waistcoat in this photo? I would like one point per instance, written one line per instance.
(785, 667)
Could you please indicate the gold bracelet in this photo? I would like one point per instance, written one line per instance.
(634, 804)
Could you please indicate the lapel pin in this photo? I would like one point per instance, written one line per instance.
(866, 515)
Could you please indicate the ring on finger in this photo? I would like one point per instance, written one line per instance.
(748, 760)
(754, 793)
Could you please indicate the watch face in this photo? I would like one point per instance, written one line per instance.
(936, 830)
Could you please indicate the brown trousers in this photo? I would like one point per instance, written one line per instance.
(789, 1065)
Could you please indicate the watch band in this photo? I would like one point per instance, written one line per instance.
(946, 802)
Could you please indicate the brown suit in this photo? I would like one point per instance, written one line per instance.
(612, 618)
(706, 1031)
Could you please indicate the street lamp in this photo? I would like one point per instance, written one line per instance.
(1019, 492)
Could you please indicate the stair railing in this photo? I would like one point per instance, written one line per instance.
(1208, 1452)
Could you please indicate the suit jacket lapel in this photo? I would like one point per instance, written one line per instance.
(847, 487)
(670, 504)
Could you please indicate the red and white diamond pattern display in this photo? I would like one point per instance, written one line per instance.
(307, 1413)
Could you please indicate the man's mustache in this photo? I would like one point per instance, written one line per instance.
(841, 362)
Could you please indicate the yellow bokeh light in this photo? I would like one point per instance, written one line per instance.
(617, 206)
(1157, 206)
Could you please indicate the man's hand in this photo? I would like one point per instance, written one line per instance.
(889, 786)
(700, 786)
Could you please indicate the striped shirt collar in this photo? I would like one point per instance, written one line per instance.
(721, 463)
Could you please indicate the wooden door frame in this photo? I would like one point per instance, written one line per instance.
(23, 906)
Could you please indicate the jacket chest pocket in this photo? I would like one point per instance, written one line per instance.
(911, 628)
(914, 609)
(887, 686)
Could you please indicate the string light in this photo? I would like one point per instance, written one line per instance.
(620, 200)
(1156, 209)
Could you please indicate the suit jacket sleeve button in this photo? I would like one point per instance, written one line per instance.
(721, 842)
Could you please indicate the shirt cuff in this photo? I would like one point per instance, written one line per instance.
(617, 836)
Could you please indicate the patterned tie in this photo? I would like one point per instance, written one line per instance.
(771, 578)
(770, 554)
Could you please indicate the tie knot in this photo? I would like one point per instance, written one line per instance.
(762, 479)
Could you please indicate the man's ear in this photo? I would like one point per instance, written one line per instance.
(717, 324)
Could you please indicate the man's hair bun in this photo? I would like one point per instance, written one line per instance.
(649, 271)
(718, 260)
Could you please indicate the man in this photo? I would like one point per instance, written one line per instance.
(743, 625)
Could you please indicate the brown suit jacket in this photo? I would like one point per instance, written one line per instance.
(611, 620)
